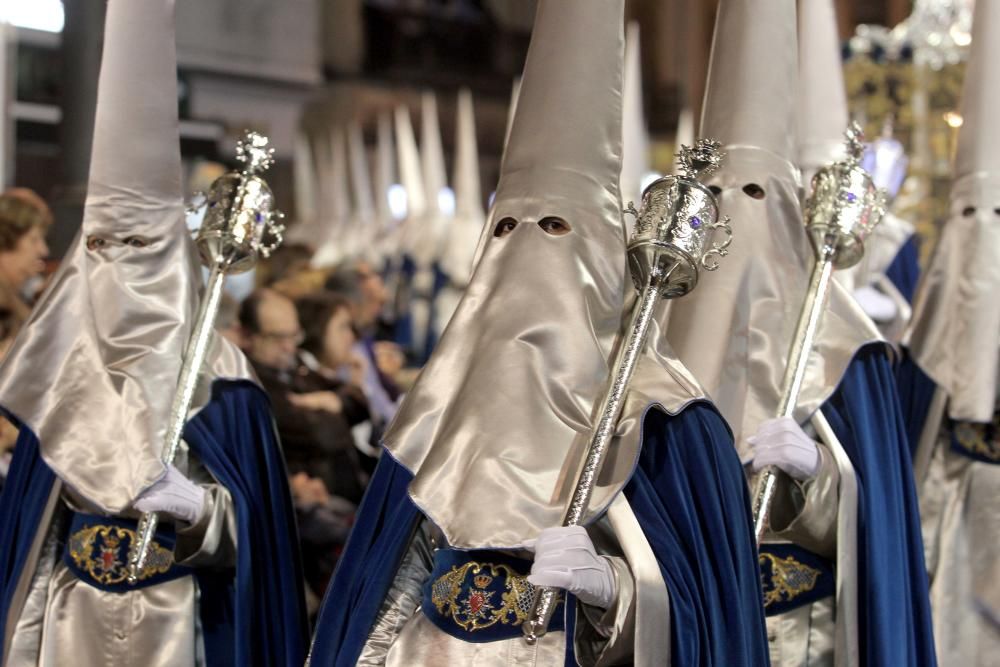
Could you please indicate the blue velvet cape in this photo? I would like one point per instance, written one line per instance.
(254, 615)
(916, 391)
(689, 495)
(894, 616)
(904, 271)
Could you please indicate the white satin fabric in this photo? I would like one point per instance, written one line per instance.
(956, 314)
(92, 372)
(961, 526)
(496, 426)
(633, 630)
(735, 331)
(66, 621)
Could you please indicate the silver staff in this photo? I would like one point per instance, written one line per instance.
(844, 208)
(677, 221)
(240, 212)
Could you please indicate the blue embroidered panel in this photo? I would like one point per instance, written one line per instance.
(792, 577)
(481, 596)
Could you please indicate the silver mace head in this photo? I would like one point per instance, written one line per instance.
(845, 206)
(676, 223)
(241, 222)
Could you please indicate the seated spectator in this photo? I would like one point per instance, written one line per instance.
(24, 220)
(364, 290)
(314, 414)
(328, 336)
(324, 523)
(328, 347)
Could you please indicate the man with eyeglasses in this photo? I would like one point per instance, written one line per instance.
(313, 415)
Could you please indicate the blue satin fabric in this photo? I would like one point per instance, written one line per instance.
(22, 504)
(894, 616)
(385, 523)
(904, 272)
(690, 498)
(440, 281)
(403, 333)
(690, 495)
(916, 391)
(253, 616)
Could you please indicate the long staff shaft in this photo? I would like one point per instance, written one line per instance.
(546, 598)
(187, 382)
(795, 371)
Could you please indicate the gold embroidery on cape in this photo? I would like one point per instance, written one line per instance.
(102, 562)
(789, 578)
(472, 607)
(973, 439)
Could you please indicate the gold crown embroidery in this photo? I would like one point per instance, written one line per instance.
(789, 578)
(472, 607)
(973, 438)
(96, 551)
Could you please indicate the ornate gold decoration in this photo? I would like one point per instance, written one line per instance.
(789, 578)
(473, 607)
(98, 551)
(979, 439)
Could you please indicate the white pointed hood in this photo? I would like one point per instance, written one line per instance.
(428, 237)
(92, 373)
(822, 98)
(503, 408)
(467, 227)
(635, 139)
(339, 238)
(735, 330)
(954, 335)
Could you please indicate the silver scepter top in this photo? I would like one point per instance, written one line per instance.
(240, 212)
(677, 219)
(845, 205)
(241, 223)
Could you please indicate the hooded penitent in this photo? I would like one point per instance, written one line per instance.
(363, 217)
(503, 409)
(955, 333)
(635, 138)
(430, 235)
(337, 239)
(385, 178)
(467, 226)
(734, 333)
(821, 119)
(821, 116)
(92, 373)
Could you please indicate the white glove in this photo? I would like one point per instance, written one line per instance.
(175, 495)
(565, 558)
(782, 442)
(876, 305)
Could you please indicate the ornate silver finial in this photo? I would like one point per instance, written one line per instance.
(253, 152)
(855, 140)
(676, 223)
(241, 223)
(700, 160)
(845, 205)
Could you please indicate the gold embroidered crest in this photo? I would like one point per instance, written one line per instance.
(789, 578)
(472, 605)
(99, 551)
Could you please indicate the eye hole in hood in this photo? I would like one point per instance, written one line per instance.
(504, 227)
(753, 191)
(554, 226)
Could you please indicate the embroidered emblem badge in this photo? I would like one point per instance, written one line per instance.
(468, 595)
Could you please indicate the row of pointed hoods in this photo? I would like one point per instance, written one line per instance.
(344, 216)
